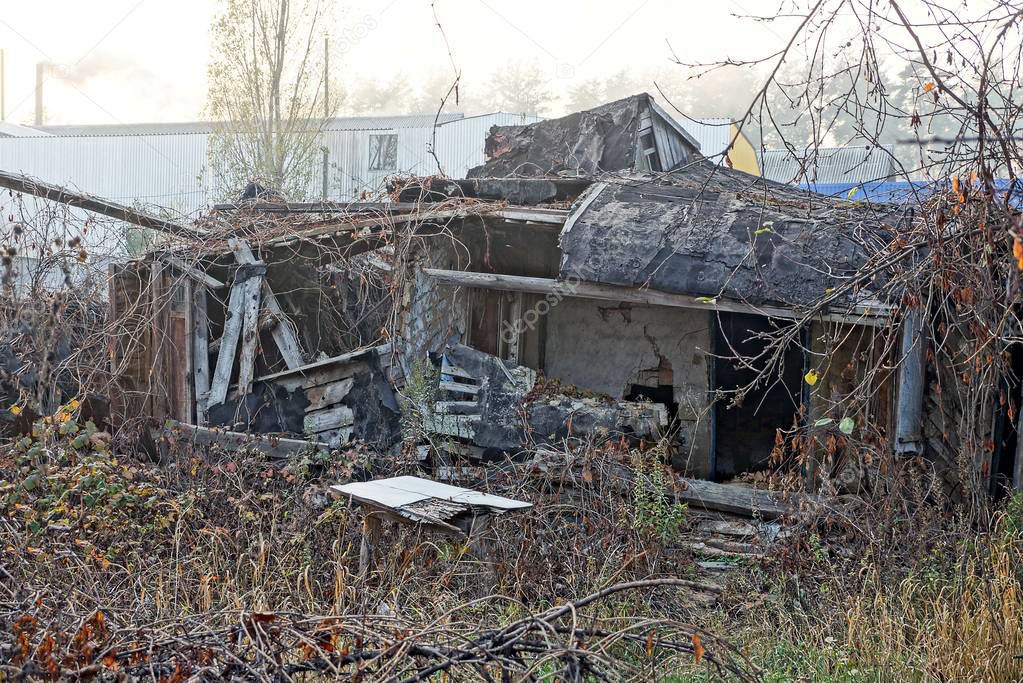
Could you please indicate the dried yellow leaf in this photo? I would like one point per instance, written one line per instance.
(811, 378)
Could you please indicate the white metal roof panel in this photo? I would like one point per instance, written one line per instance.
(400, 491)
(336, 123)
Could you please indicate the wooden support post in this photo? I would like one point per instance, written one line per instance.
(282, 332)
(187, 351)
(250, 334)
(1017, 470)
(200, 352)
(910, 406)
(160, 406)
(514, 332)
(370, 539)
(228, 345)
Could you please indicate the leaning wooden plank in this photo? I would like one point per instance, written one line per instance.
(311, 368)
(104, 207)
(200, 352)
(228, 345)
(180, 432)
(250, 334)
(328, 370)
(192, 272)
(328, 394)
(283, 333)
(331, 418)
(460, 388)
(267, 321)
(456, 371)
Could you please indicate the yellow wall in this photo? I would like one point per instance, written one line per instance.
(742, 155)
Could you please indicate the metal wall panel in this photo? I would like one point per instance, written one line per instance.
(827, 165)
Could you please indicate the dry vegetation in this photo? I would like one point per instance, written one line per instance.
(234, 565)
(229, 565)
(246, 566)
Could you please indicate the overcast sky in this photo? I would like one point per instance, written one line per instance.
(131, 61)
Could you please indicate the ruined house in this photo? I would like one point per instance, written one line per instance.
(596, 277)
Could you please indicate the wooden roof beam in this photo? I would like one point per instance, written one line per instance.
(104, 207)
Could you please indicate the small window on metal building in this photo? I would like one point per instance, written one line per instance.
(383, 152)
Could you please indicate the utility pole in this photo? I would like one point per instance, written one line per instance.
(326, 114)
(3, 87)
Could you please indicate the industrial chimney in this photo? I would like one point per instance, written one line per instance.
(40, 75)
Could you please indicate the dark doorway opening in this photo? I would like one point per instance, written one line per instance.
(744, 434)
(1006, 438)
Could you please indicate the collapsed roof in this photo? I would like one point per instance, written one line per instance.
(664, 218)
(709, 231)
(630, 134)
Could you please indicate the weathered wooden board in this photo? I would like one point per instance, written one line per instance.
(733, 498)
(334, 437)
(456, 371)
(328, 394)
(459, 426)
(160, 394)
(456, 407)
(228, 345)
(200, 352)
(328, 419)
(192, 271)
(460, 388)
(233, 441)
(283, 333)
(250, 334)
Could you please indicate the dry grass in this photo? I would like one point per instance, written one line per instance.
(962, 621)
(176, 558)
(943, 605)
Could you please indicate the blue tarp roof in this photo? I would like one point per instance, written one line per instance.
(903, 191)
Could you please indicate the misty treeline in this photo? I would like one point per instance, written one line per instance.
(726, 92)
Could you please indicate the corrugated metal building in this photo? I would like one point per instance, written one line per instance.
(722, 142)
(167, 165)
(829, 165)
(165, 168)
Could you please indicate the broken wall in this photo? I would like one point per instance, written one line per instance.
(430, 314)
(612, 348)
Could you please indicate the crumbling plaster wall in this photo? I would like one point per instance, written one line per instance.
(609, 347)
(431, 314)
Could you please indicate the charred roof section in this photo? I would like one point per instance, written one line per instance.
(711, 231)
(631, 134)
